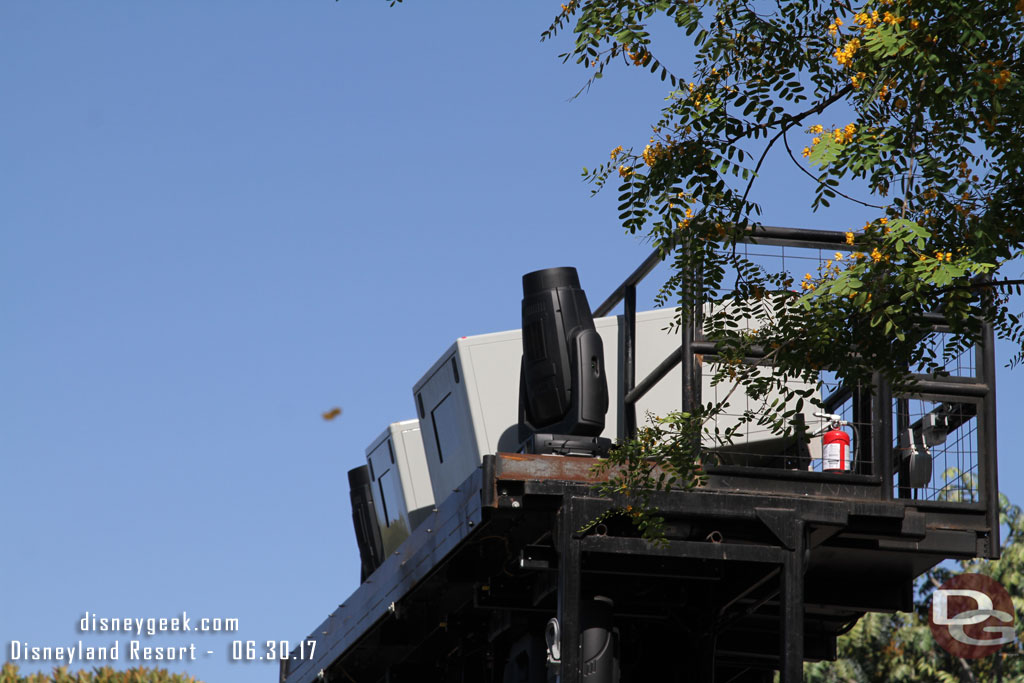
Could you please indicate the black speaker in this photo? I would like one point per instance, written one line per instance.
(364, 519)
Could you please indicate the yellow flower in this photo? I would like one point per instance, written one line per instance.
(616, 151)
(914, 23)
(817, 127)
(625, 171)
(866, 20)
(807, 151)
(876, 255)
(639, 58)
(845, 56)
(849, 238)
(839, 256)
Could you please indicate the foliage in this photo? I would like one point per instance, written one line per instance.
(900, 647)
(908, 107)
(10, 674)
(658, 459)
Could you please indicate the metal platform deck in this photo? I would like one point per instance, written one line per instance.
(749, 582)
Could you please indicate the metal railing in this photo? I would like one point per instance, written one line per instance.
(873, 408)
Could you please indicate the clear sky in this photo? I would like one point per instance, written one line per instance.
(217, 221)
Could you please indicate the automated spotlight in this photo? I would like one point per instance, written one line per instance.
(563, 392)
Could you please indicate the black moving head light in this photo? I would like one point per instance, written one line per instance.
(563, 389)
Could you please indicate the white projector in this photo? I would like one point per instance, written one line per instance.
(468, 402)
(400, 480)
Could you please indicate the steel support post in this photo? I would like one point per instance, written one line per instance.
(688, 304)
(987, 447)
(902, 430)
(686, 331)
(569, 580)
(881, 423)
(791, 609)
(706, 663)
(629, 360)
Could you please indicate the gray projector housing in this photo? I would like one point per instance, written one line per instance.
(468, 401)
(400, 481)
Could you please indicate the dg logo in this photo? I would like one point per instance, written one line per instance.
(972, 616)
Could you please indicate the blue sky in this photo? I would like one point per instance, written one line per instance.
(219, 220)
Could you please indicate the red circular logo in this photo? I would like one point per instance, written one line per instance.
(972, 616)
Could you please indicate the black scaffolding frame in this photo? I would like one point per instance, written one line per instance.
(761, 569)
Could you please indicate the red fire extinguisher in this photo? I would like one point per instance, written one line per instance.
(836, 455)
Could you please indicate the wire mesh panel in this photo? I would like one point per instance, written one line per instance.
(799, 423)
(946, 359)
(936, 447)
(773, 435)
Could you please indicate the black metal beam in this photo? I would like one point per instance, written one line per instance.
(629, 361)
(797, 237)
(702, 550)
(882, 434)
(987, 442)
(792, 610)
(637, 275)
(569, 601)
(951, 388)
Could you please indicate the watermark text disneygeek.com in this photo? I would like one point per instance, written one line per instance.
(139, 648)
(151, 626)
(134, 650)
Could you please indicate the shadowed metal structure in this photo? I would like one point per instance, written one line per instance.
(764, 566)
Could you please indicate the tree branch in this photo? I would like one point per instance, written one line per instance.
(790, 120)
(785, 141)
